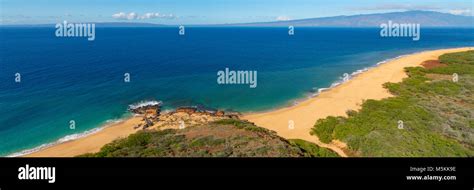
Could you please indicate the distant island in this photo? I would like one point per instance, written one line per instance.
(425, 18)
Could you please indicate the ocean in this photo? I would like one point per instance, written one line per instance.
(73, 79)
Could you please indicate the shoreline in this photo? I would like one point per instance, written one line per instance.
(276, 119)
(92, 142)
(71, 137)
(341, 98)
(310, 94)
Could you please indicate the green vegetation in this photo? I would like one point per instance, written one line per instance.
(312, 150)
(435, 112)
(223, 138)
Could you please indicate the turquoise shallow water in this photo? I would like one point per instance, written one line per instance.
(67, 79)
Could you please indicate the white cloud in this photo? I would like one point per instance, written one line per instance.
(120, 15)
(135, 16)
(283, 18)
(464, 12)
(125, 16)
(156, 15)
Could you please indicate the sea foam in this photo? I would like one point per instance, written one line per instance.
(144, 103)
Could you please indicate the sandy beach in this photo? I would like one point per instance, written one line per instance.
(90, 143)
(93, 143)
(335, 102)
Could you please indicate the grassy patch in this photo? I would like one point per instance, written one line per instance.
(224, 138)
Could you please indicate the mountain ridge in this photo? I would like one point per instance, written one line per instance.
(424, 18)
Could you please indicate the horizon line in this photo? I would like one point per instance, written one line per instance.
(242, 23)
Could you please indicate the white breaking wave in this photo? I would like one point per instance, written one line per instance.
(85, 133)
(144, 103)
(65, 139)
(355, 73)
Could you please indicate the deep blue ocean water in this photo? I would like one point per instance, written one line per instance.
(67, 79)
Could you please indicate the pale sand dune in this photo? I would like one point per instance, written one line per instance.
(334, 102)
(337, 101)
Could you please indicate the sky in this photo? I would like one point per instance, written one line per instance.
(177, 12)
